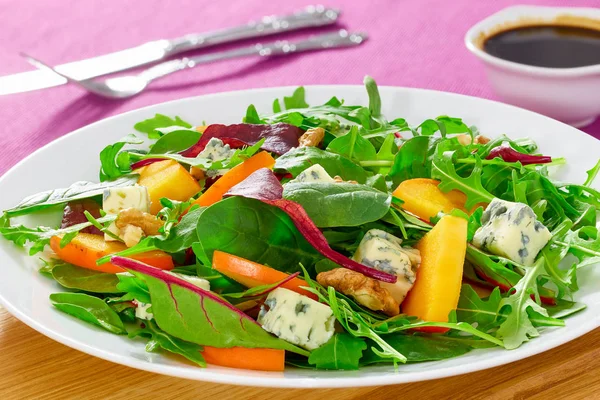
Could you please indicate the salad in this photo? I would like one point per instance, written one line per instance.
(324, 237)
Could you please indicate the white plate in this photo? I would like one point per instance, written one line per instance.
(75, 157)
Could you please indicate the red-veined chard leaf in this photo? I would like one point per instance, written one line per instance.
(279, 138)
(508, 154)
(190, 313)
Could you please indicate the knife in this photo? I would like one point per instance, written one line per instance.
(311, 16)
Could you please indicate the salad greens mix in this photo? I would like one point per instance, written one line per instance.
(325, 237)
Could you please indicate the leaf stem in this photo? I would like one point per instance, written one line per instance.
(376, 163)
(555, 161)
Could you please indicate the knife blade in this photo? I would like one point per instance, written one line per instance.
(311, 16)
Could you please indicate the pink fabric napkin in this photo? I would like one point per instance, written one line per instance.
(416, 43)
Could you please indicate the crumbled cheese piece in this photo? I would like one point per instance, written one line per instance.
(511, 230)
(216, 150)
(297, 319)
(315, 173)
(141, 311)
(383, 251)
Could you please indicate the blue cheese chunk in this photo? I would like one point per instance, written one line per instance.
(297, 319)
(316, 173)
(121, 198)
(216, 150)
(383, 251)
(141, 311)
(511, 230)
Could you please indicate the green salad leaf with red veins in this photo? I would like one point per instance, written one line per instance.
(273, 223)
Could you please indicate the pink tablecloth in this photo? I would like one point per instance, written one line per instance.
(416, 43)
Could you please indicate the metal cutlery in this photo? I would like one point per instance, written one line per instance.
(131, 85)
(311, 16)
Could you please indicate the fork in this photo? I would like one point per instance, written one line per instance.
(130, 85)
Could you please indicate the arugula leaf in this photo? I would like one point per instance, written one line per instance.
(40, 237)
(412, 160)
(298, 159)
(253, 230)
(134, 287)
(443, 170)
(150, 125)
(419, 348)
(591, 174)
(343, 351)
(89, 309)
(189, 313)
(555, 252)
(183, 234)
(445, 125)
(78, 278)
(175, 141)
(387, 153)
(252, 115)
(338, 204)
(472, 309)
(114, 163)
(296, 100)
(374, 98)
(77, 191)
(517, 327)
(353, 146)
(474, 223)
(160, 339)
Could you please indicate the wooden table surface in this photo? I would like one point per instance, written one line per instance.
(33, 366)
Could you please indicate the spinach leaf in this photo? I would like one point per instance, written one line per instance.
(338, 204)
(89, 309)
(189, 313)
(150, 125)
(78, 278)
(353, 146)
(77, 191)
(175, 141)
(253, 230)
(343, 351)
(419, 348)
(160, 339)
(298, 159)
(40, 237)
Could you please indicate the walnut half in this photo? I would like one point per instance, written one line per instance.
(133, 224)
(366, 291)
(312, 137)
(466, 139)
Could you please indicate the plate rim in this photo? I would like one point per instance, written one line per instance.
(277, 380)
